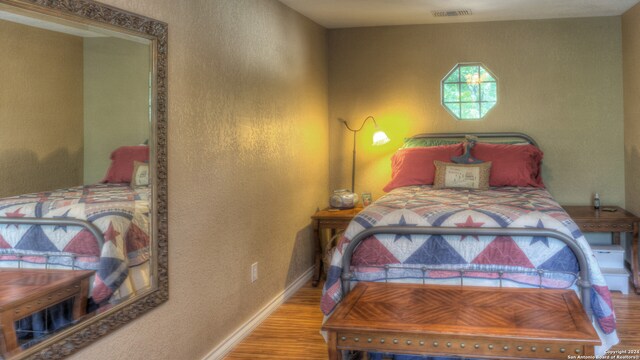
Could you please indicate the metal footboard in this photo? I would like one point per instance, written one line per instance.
(97, 234)
(583, 275)
(49, 260)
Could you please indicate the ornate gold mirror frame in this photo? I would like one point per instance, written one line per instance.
(90, 13)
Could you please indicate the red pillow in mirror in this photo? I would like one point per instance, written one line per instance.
(414, 166)
(122, 160)
(512, 165)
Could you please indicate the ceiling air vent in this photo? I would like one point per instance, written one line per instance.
(451, 13)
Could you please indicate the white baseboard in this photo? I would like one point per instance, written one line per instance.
(237, 336)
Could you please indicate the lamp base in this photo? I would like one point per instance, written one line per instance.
(343, 199)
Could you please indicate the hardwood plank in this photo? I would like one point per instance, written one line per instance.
(292, 331)
(627, 308)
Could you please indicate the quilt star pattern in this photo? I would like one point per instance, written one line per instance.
(120, 212)
(471, 260)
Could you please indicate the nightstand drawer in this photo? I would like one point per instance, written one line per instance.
(605, 227)
(338, 224)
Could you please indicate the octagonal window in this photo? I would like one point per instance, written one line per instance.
(469, 91)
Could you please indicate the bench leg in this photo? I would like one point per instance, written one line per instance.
(10, 341)
(80, 300)
(332, 345)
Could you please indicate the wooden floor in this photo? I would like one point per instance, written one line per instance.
(292, 331)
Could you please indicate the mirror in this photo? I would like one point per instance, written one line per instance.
(83, 173)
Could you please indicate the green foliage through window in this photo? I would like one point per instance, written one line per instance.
(469, 91)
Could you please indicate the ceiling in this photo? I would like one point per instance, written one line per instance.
(356, 13)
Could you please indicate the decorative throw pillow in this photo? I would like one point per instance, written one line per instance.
(414, 166)
(140, 176)
(466, 176)
(467, 158)
(513, 165)
(122, 159)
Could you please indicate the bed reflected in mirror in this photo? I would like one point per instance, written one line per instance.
(77, 175)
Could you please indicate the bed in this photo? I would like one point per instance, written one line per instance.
(505, 236)
(101, 227)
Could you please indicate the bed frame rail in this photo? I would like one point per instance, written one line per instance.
(481, 135)
(97, 234)
(583, 275)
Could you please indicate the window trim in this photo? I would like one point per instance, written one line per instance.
(460, 102)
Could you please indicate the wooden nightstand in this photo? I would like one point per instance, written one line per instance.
(615, 222)
(328, 219)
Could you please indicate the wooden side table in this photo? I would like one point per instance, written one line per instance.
(328, 219)
(24, 292)
(473, 321)
(615, 222)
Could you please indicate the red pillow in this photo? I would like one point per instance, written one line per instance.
(122, 160)
(414, 166)
(512, 165)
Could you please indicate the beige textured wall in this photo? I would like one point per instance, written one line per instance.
(40, 109)
(248, 165)
(631, 71)
(560, 81)
(116, 100)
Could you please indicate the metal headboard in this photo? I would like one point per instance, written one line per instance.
(481, 135)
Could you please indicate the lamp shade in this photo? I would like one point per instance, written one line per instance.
(380, 138)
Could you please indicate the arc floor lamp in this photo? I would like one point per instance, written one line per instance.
(379, 138)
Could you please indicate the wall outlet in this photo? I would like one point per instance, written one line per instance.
(254, 272)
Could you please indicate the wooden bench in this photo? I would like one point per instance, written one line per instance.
(479, 322)
(24, 292)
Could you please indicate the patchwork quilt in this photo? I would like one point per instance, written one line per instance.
(120, 212)
(471, 260)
